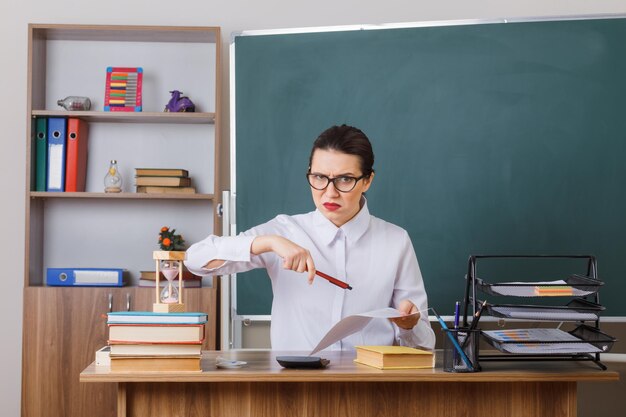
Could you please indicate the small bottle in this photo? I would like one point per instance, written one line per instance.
(74, 103)
(113, 179)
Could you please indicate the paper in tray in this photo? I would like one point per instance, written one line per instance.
(530, 336)
(550, 348)
(573, 286)
(575, 310)
(583, 339)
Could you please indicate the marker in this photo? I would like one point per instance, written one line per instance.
(456, 315)
(332, 280)
(454, 342)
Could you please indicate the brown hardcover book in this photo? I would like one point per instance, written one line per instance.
(151, 275)
(165, 190)
(155, 349)
(156, 333)
(161, 172)
(394, 357)
(156, 364)
(163, 181)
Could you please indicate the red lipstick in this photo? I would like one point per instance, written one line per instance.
(331, 206)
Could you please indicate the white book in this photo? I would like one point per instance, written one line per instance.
(103, 357)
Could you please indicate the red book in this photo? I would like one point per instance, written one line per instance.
(76, 159)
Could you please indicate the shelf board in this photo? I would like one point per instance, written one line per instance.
(122, 196)
(131, 117)
(192, 34)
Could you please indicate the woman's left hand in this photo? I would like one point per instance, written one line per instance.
(411, 317)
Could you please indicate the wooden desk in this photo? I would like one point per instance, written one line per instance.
(263, 388)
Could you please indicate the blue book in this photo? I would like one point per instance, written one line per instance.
(148, 317)
(56, 153)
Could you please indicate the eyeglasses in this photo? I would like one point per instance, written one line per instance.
(345, 184)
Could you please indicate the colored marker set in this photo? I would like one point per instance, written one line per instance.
(123, 89)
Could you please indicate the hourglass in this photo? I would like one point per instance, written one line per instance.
(170, 298)
(169, 294)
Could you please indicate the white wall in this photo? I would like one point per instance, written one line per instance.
(231, 15)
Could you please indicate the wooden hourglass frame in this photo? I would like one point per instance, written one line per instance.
(158, 306)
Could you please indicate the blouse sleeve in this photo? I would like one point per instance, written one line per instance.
(410, 286)
(235, 250)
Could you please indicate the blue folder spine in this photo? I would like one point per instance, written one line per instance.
(57, 137)
(85, 277)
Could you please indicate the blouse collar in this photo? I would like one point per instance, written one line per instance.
(353, 229)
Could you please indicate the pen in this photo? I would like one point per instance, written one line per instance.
(335, 281)
(454, 342)
(477, 316)
(456, 322)
(474, 323)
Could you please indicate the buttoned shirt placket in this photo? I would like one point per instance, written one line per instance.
(339, 248)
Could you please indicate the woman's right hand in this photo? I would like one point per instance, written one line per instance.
(295, 257)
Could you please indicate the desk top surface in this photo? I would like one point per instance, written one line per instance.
(262, 367)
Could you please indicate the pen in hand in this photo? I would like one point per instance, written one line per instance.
(335, 281)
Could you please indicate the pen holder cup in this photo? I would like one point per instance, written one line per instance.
(456, 341)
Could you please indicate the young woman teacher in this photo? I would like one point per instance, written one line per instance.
(340, 238)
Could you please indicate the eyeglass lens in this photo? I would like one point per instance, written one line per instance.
(320, 182)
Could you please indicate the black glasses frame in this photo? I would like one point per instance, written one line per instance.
(333, 180)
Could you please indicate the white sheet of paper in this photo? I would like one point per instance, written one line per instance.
(353, 324)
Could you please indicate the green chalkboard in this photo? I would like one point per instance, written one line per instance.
(505, 138)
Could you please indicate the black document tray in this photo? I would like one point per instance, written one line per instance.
(576, 310)
(583, 333)
(581, 286)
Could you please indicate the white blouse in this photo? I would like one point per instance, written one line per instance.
(375, 257)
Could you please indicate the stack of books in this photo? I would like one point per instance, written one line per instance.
(163, 181)
(155, 342)
(394, 357)
(148, 279)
